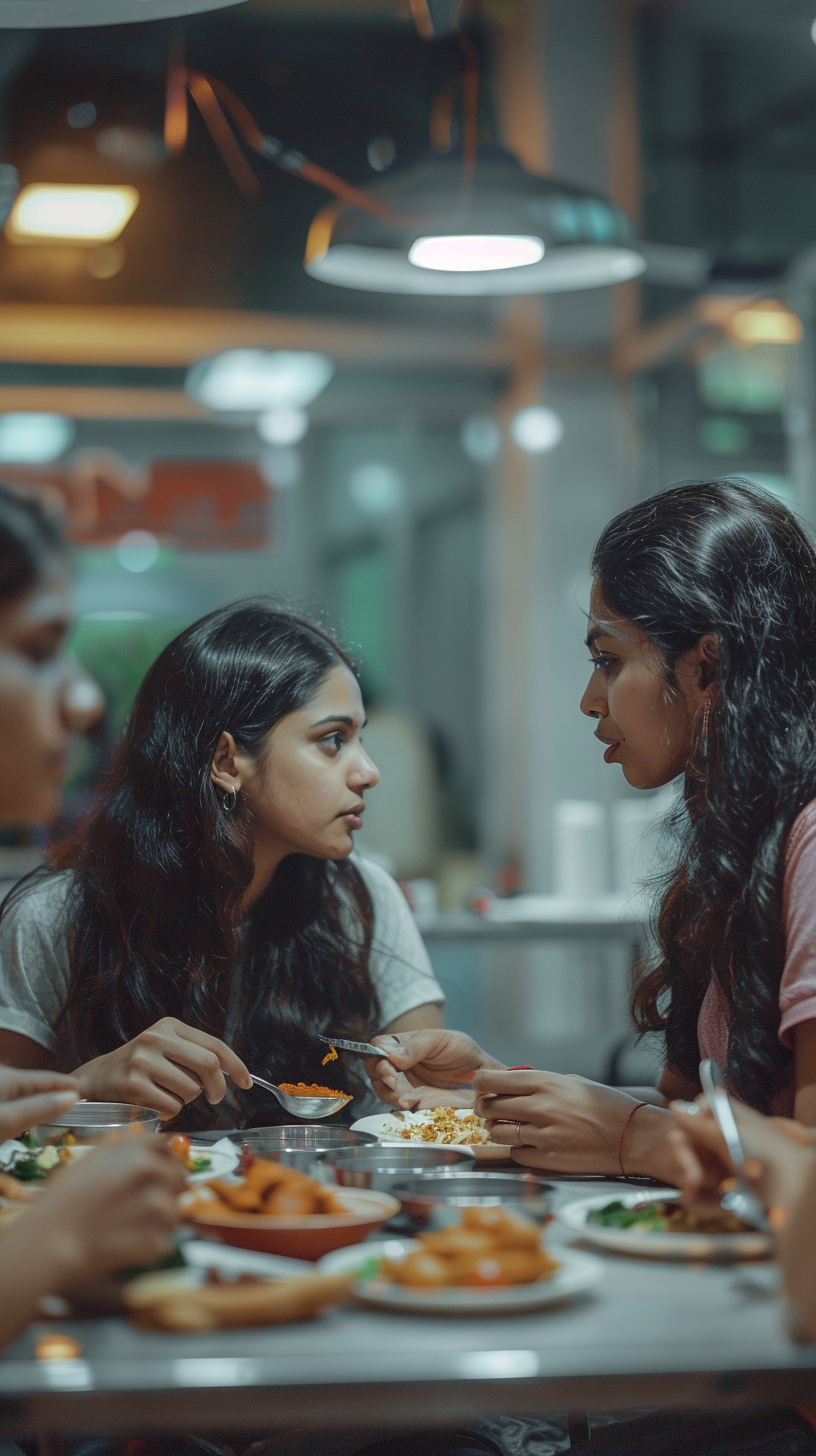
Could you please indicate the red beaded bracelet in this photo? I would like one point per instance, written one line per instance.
(623, 1135)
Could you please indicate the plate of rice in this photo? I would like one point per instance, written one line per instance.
(442, 1126)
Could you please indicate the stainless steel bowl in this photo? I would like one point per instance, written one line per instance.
(299, 1145)
(381, 1167)
(434, 1197)
(90, 1122)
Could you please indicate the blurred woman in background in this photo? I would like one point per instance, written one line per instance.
(118, 1206)
(208, 919)
(702, 632)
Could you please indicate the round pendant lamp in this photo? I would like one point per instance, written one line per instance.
(504, 232)
(59, 14)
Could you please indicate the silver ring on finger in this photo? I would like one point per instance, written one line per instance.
(518, 1133)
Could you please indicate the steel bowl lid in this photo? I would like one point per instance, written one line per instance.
(104, 1114)
(461, 1189)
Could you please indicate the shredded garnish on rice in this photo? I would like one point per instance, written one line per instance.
(444, 1126)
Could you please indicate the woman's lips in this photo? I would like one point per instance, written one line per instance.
(354, 821)
(609, 753)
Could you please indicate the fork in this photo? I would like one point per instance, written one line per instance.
(740, 1200)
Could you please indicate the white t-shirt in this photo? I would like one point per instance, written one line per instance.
(35, 972)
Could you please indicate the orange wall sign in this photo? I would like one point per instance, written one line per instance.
(205, 505)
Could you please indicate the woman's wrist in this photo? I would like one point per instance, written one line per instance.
(646, 1152)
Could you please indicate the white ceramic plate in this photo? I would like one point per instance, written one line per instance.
(723, 1247)
(382, 1124)
(223, 1156)
(577, 1273)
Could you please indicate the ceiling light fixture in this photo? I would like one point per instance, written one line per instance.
(536, 429)
(259, 380)
(34, 439)
(51, 14)
(767, 322)
(59, 212)
(508, 232)
(285, 425)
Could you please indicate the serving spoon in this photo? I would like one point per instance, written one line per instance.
(740, 1200)
(309, 1108)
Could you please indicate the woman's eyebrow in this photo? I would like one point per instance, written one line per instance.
(339, 718)
(592, 637)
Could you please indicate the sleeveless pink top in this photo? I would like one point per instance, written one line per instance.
(797, 991)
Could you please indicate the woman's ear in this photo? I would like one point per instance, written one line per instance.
(224, 771)
(709, 651)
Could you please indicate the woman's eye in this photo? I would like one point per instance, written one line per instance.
(602, 663)
(334, 741)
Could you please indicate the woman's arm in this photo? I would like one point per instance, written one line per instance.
(421, 1018)
(804, 1060)
(21, 1051)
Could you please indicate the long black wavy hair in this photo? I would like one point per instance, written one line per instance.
(159, 870)
(726, 558)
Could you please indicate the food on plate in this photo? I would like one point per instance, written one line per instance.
(15, 1191)
(490, 1248)
(266, 1188)
(445, 1125)
(231, 1305)
(665, 1215)
(57, 1347)
(331, 1056)
(300, 1089)
(179, 1146)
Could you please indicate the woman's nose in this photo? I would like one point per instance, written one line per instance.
(82, 702)
(367, 774)
(593, 703)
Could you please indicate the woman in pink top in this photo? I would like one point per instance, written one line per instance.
(702, 633)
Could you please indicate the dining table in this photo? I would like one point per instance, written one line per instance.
(651, 1335)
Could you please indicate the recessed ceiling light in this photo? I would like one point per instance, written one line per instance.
(475, 252)
(255, 379)
(59, 212)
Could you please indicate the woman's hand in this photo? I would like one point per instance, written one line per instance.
(163, 1067)
(570, 1125)
(421, 1062)
(779, 1153)
(27, 1098)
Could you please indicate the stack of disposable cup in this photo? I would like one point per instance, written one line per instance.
(636, 839)
(580, 858)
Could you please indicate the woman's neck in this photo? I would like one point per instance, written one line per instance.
(266, 857)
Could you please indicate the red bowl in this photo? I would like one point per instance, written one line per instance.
(308, 1237)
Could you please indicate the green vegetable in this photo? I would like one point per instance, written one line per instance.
(200, 1165)
(28, 1170)
(645, 1217)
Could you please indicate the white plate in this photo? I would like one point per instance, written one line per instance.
(577, 1273)
(223, 1156)
(656, 1245)
(382, 1124)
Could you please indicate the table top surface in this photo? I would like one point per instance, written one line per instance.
(647, 1319)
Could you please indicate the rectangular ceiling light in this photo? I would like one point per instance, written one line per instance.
(61, 213)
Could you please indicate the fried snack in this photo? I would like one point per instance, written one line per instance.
(236, 1306)
(489, 1248)
(268, 1189)
(300, 1089)
(14, 1190)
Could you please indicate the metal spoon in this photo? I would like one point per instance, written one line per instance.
(740, 1200)
(309, 1108)
(360, 1048)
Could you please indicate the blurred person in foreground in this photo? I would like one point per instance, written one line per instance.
(118, 1206)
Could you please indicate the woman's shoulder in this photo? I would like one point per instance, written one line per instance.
(383, 890)
(802, 832)
(38, 902)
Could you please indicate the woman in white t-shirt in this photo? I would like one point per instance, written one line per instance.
(210, 917)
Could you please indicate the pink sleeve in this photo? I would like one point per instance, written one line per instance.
(797, 991)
